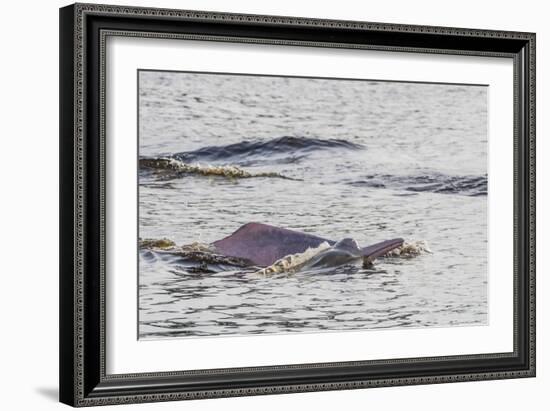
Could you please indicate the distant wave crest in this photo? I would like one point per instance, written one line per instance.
(435, 183)
(286, 149)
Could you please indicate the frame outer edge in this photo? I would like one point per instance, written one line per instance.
(67, 332)
(244, 18)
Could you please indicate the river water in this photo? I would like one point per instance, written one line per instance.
(370, 160)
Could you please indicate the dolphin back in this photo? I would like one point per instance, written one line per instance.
(263, 244)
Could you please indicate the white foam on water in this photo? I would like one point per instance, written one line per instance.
(292, 262)
(228, 171)
(411, 249)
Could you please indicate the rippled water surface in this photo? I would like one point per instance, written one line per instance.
(363, 159)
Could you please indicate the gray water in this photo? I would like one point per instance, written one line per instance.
(365, 159)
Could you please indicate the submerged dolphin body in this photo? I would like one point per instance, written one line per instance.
(262, 245)
(347, 251)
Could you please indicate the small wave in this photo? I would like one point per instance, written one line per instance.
(252, 152)
(435, 183)
(168, 168)
(203, 257)
(160, 244)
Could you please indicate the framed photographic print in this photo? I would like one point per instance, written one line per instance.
(262, 204)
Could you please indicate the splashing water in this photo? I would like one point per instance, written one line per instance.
(172, 168)
(293, 262)
(411, 249)
(203, 253)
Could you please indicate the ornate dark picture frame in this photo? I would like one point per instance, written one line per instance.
(83, 30)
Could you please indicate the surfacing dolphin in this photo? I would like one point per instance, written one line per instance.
(263, 244)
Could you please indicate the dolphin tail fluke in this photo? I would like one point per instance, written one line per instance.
(371, 252)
